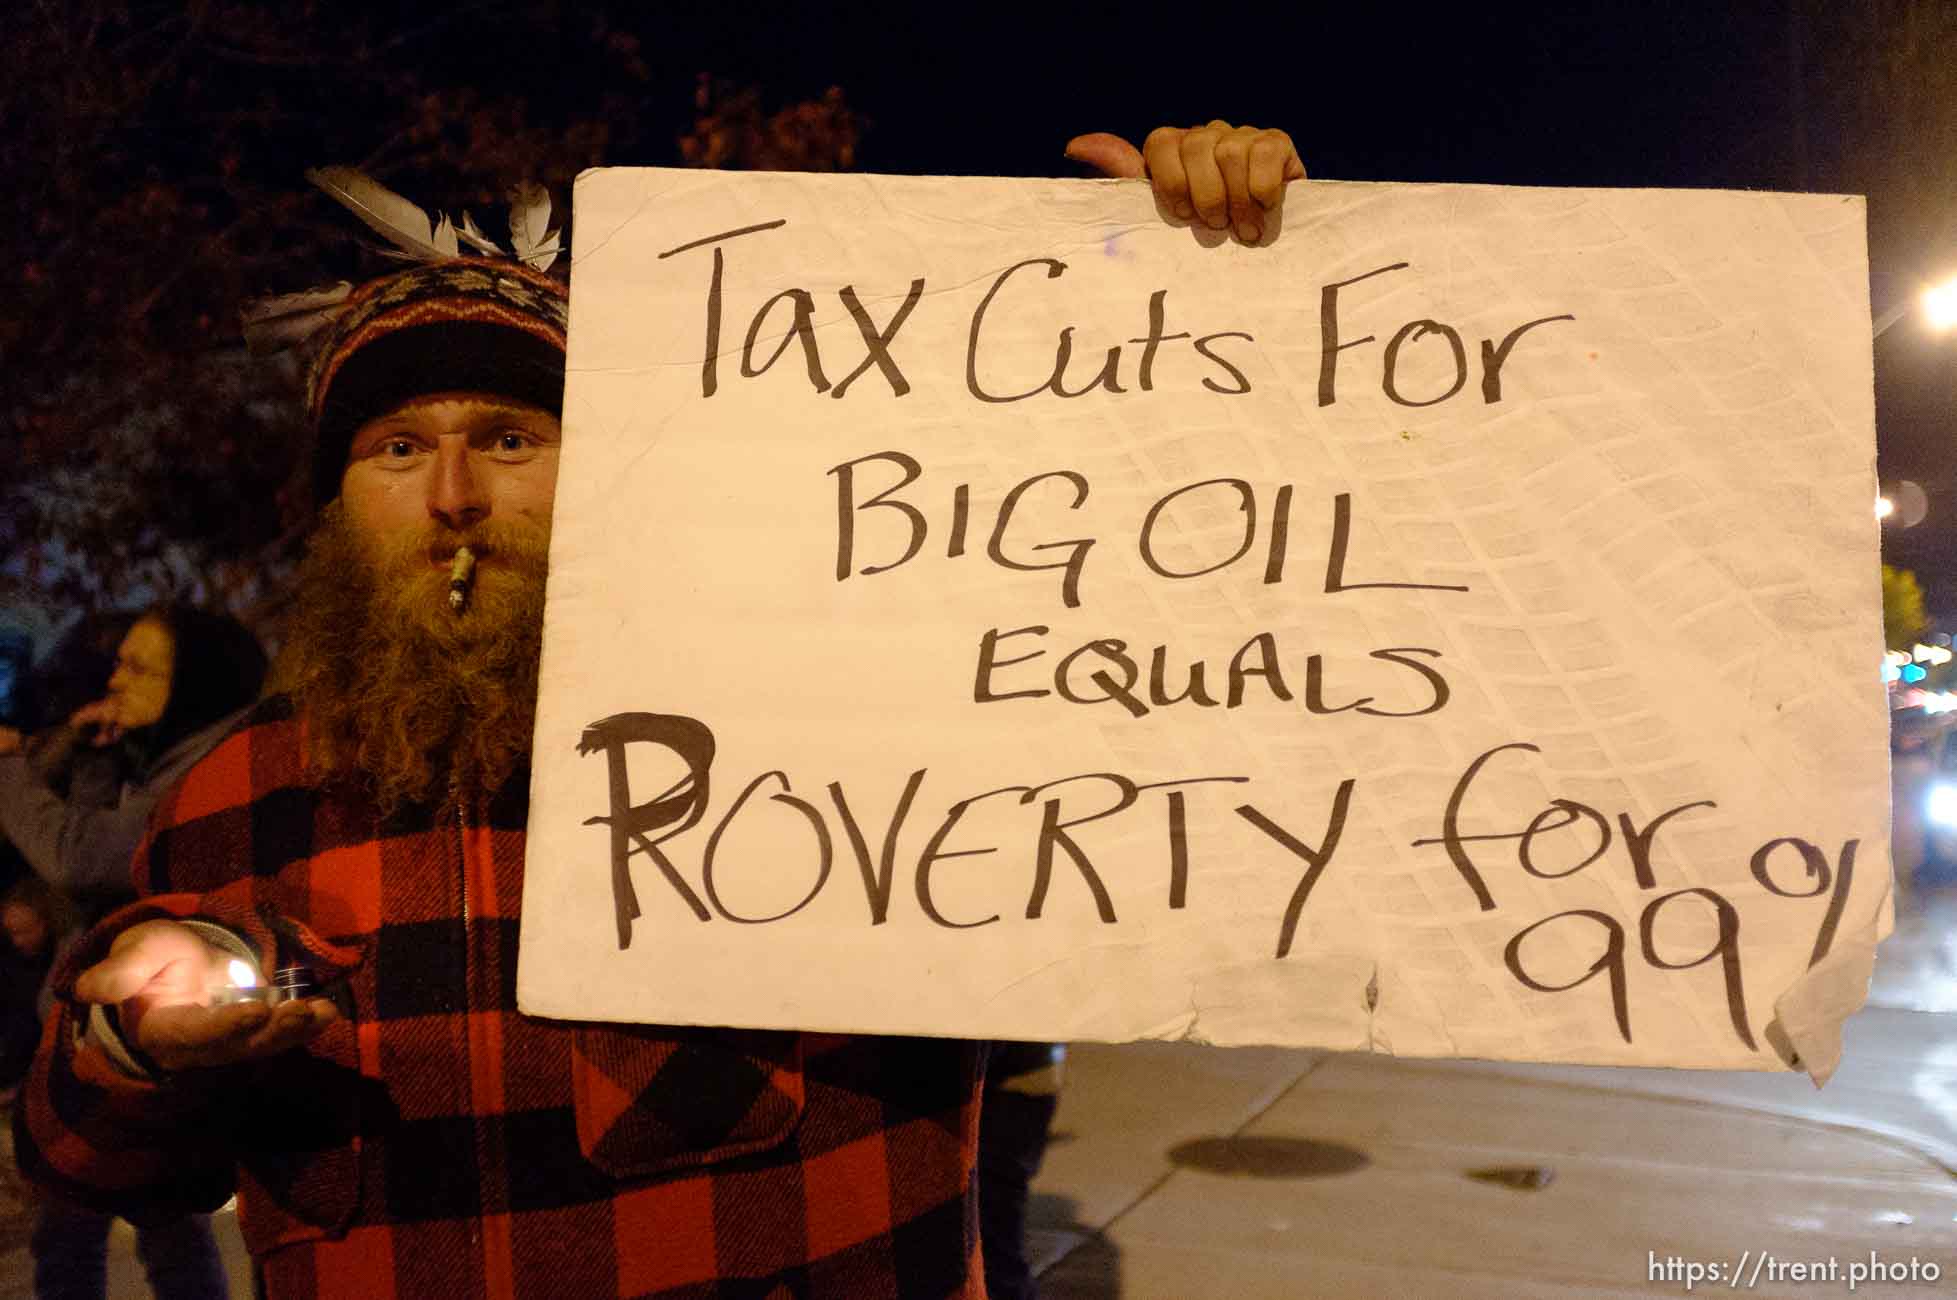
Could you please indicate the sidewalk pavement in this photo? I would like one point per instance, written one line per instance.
(1180, 1173)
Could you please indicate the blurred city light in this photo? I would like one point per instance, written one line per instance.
(1940, 304)
(1940, 806)
(1897, 665)
(1902, 502)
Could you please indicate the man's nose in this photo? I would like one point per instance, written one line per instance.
(455, 493)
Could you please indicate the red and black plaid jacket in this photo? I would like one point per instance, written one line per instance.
(434, 1142)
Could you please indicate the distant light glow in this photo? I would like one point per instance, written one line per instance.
(1890, 672)
(1913, 673)
(1934, 702)
(1884, 507)
(240, 973)
(1929, 654)
(1940, 805)
(1895, 657)
(1940, 304)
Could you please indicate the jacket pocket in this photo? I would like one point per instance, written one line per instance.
(655, 1098)
(298, 1136)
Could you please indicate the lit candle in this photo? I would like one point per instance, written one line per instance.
(241, 984)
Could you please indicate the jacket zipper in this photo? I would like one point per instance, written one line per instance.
(476, 1241)
(462, 856)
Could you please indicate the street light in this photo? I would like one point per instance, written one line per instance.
(1939, 302)
(1910, 504)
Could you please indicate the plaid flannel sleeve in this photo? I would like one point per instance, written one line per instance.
(84, 1128)
(94, 1135)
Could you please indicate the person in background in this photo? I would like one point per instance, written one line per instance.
(182, 677)
(16, 668)
(37, 924)
(36, 929)
(18, 709)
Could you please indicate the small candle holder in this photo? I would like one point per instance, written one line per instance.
(290, 982)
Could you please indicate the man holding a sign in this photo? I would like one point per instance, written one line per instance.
(314, 1005)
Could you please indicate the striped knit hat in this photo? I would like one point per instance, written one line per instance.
(465, 325)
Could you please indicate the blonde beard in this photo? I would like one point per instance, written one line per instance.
(396, 688)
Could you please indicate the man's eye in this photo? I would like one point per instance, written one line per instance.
(511, 441)
(397, 448)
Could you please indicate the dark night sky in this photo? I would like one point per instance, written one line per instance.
(1573, 93)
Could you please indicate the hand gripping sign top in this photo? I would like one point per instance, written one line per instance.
(981, 607)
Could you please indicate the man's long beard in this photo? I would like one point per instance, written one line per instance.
(395, 687)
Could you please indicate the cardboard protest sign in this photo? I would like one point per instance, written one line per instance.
(986, 608)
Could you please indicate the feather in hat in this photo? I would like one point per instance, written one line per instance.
(272, 324)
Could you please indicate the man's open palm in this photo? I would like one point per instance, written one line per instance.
(160, 974)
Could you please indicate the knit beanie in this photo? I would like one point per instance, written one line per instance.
(464, 325)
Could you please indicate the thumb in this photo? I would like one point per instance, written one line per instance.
(116, 978)
(1107, 154)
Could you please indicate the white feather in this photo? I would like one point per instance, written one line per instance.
(389, 215)
(284, 304)
(535, 243)
(444, 237)
(274, 324)
(472, 236)
(540, 257)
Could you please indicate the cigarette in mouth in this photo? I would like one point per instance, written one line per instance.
(460, 570)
